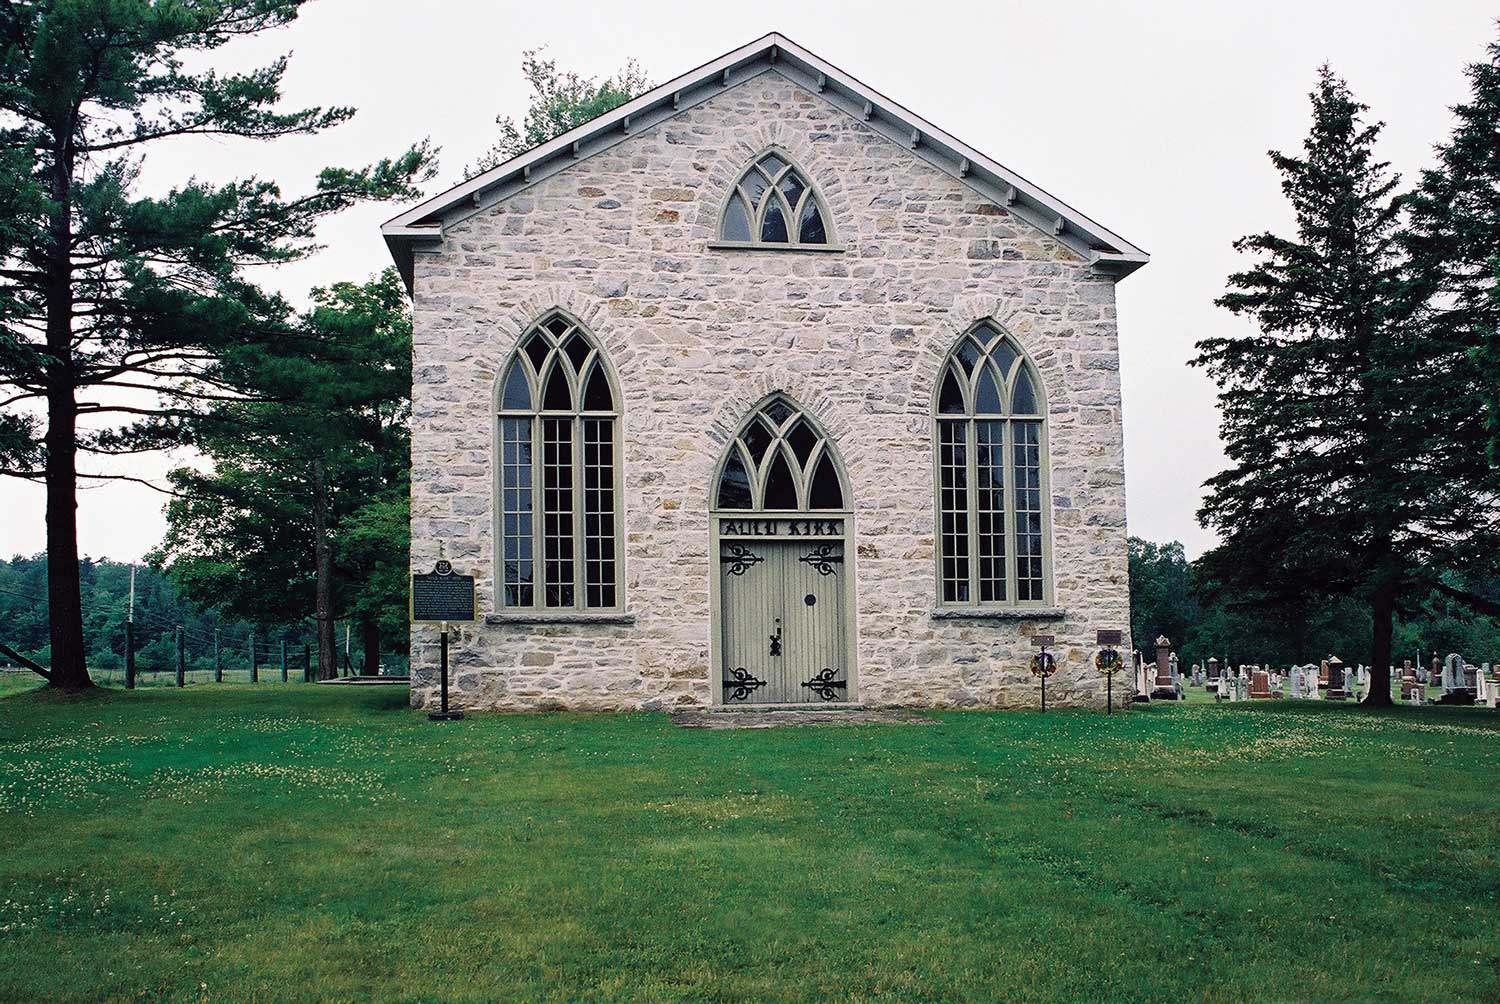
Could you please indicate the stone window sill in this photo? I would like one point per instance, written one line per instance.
(998, 614)
(559, 617)
(754, 246)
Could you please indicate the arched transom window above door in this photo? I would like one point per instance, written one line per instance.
(993, 511)
(780, 462)
(558, 532)
(773, 204)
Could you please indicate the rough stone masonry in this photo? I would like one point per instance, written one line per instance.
(697, 336)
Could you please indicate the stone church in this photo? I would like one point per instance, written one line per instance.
(761, 390)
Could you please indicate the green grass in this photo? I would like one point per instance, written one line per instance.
(322, 843)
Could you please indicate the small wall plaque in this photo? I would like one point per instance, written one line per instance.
(1110, 636)
(1042, 640)
(442, 595)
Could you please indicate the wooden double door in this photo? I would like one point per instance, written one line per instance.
(783, 622)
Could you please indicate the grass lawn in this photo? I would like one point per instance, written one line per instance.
(321, 843)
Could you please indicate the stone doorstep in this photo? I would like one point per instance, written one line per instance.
(774, 717)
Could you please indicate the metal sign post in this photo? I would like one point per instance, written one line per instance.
(1108, 662)
(440, 597)
(1043, 664)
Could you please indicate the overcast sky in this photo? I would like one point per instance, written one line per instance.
(1153, 118)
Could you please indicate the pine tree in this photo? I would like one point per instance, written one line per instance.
(116, 307)
(1315, 420)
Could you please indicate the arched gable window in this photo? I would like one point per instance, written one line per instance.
(782, 462)
(992, 500)
(774, 204)
(559, 433)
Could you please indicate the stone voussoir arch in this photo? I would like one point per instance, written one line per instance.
(513, 323)
(1011, 316)
(835, 418)
(755, 144)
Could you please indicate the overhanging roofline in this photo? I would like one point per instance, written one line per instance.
(423, 223)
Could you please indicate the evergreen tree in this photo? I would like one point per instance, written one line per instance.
(103, 291)
(1325, 493)
(305, 510)
(559, 102)
(1454, 241)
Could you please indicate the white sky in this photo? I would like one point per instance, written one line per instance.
(1153, 118)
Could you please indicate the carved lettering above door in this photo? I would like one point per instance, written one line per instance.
(781, 528)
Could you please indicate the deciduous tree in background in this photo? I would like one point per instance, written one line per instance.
(305, 509)
(559, 102)
(120, 308)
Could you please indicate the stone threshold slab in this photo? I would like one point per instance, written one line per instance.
(793, 716)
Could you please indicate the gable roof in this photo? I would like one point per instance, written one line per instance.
(773, 53)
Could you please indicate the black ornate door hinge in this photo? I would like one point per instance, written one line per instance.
(823, 559)
(823, 684)
(739, 558)
(740, 683)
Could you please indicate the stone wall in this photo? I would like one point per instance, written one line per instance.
(698, 335)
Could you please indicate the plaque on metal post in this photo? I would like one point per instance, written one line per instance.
(442, 596)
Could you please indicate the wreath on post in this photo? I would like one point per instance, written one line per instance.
(1108, 661)
(1043, 664)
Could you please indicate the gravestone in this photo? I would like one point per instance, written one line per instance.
(1197, 675)
(1454, 682)
(1486, 691)
(1260, 685)
(1142, 679)
(1334, 667)
(1409, 681)
(1213, 670)
(1164, 687)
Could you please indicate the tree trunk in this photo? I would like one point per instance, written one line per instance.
(369, 632)
(64, 604)
(323, 568)
(1384, 615)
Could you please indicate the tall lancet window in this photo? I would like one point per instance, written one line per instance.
(559, 532)
(993, 514)
(775, 205)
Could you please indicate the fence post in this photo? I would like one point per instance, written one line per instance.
(181, 664)
(129, 656)
(306, 663)
(218, 664)
(283, 660)
(254, 669)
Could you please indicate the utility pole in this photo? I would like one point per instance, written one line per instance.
(254, 669)
(218, 664)
(283, 660)
(130, 634)
(181, 664)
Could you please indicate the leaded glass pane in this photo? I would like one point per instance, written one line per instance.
(536, 350)
(1023, 397)
(950, 397)
(781, 490)
(756, 439)
(557, 326)
(515, 512)
(802, 440)
(792, 187)
(773, 226)
(734, 484)
(577, 350)
(755, 185)
(599, 512)
(1005, 357)
(596, 395)
(772, 164)
(825, 493)
(736, 220)
(968, 354)
(557, 511)
(810, 229)
(557, 396)
(953, 510)
(778, 412)
(987, 394)
(517, 393)
(989, 508)
(1026, 464)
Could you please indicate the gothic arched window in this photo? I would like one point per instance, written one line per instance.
(774, 204)
(993, 512)
(559, 508)
(782, 462)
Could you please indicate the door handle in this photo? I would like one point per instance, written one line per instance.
(776, 639)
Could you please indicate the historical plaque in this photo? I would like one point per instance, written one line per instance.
(1042, 640)
(1110, 636)
(442, 595)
